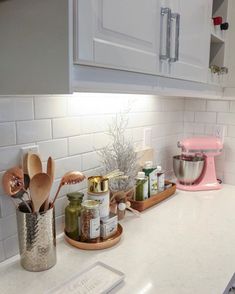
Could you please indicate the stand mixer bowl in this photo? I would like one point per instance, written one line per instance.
(188, 169)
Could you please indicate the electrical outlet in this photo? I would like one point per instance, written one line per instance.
(147, 137)
(219, 132)
(26, 150)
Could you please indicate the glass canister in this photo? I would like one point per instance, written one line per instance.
(72, 215)
(90, 221)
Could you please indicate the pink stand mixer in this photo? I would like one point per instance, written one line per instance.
(195, 167)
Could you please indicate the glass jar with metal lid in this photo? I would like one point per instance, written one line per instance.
(72, 215)
(90, 221)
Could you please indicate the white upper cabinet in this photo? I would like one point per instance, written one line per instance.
(121, 34)
(139, 46)
(35, 47)
(190, 39)
(170, 37)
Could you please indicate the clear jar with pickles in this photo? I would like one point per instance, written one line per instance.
(73, 214)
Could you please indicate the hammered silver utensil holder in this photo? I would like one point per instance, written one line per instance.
(37, 239)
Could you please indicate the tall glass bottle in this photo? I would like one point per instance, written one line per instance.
(72, 215)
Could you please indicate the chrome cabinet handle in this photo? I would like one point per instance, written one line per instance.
(165, 48)
(176, 17)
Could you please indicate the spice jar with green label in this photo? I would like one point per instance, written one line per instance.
(72, 215)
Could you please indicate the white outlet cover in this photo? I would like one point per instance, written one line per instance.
(219, 132)
(27, 149)
(147, 137)
(32, 149)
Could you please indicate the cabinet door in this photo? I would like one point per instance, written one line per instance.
(194, 40)
(36, 48)
(121, 34)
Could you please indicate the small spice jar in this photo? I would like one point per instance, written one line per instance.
(72, 215)
(90, 221)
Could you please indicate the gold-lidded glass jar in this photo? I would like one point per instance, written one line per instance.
(72, 215)
(90, 221)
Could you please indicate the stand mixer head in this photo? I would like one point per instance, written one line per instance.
(195, 167)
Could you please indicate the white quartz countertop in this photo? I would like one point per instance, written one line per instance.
(183, 245)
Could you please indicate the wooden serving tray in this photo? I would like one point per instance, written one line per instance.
(142, 205)
(103, 244)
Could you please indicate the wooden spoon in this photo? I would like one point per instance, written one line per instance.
(70, 178)
(51, 168)
(40, 186)
(34, 165)
(51, 174)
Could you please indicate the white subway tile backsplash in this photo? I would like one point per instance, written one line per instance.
(226, 118)
(2, 253)
(172, 104)
(100, 103)
(66, 127)
(189, 116)
(11, 246)
(205, 117)
(90, 161)
(209, 129)
(231, 131)
(195, 104)
(7, 206)
(159, 143)
(1, 188)
(67, 164)
(96, 123)
(54, 148)
(34, 130)
(138, 103)
(199, 129)
(61, 203)
(9, 226)
(7, 134)
(137, 134)
(139, 119)
(195, 128)
(50, 107)
(229, 178)
(80, 144)
(1, 225)
(232, 106)
(60, 224)
(217, 105)
(229, 166)
(101, 140)
(14, 109)
(10, 156)
(188, 127)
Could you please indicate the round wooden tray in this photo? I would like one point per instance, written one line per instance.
(99, 245)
